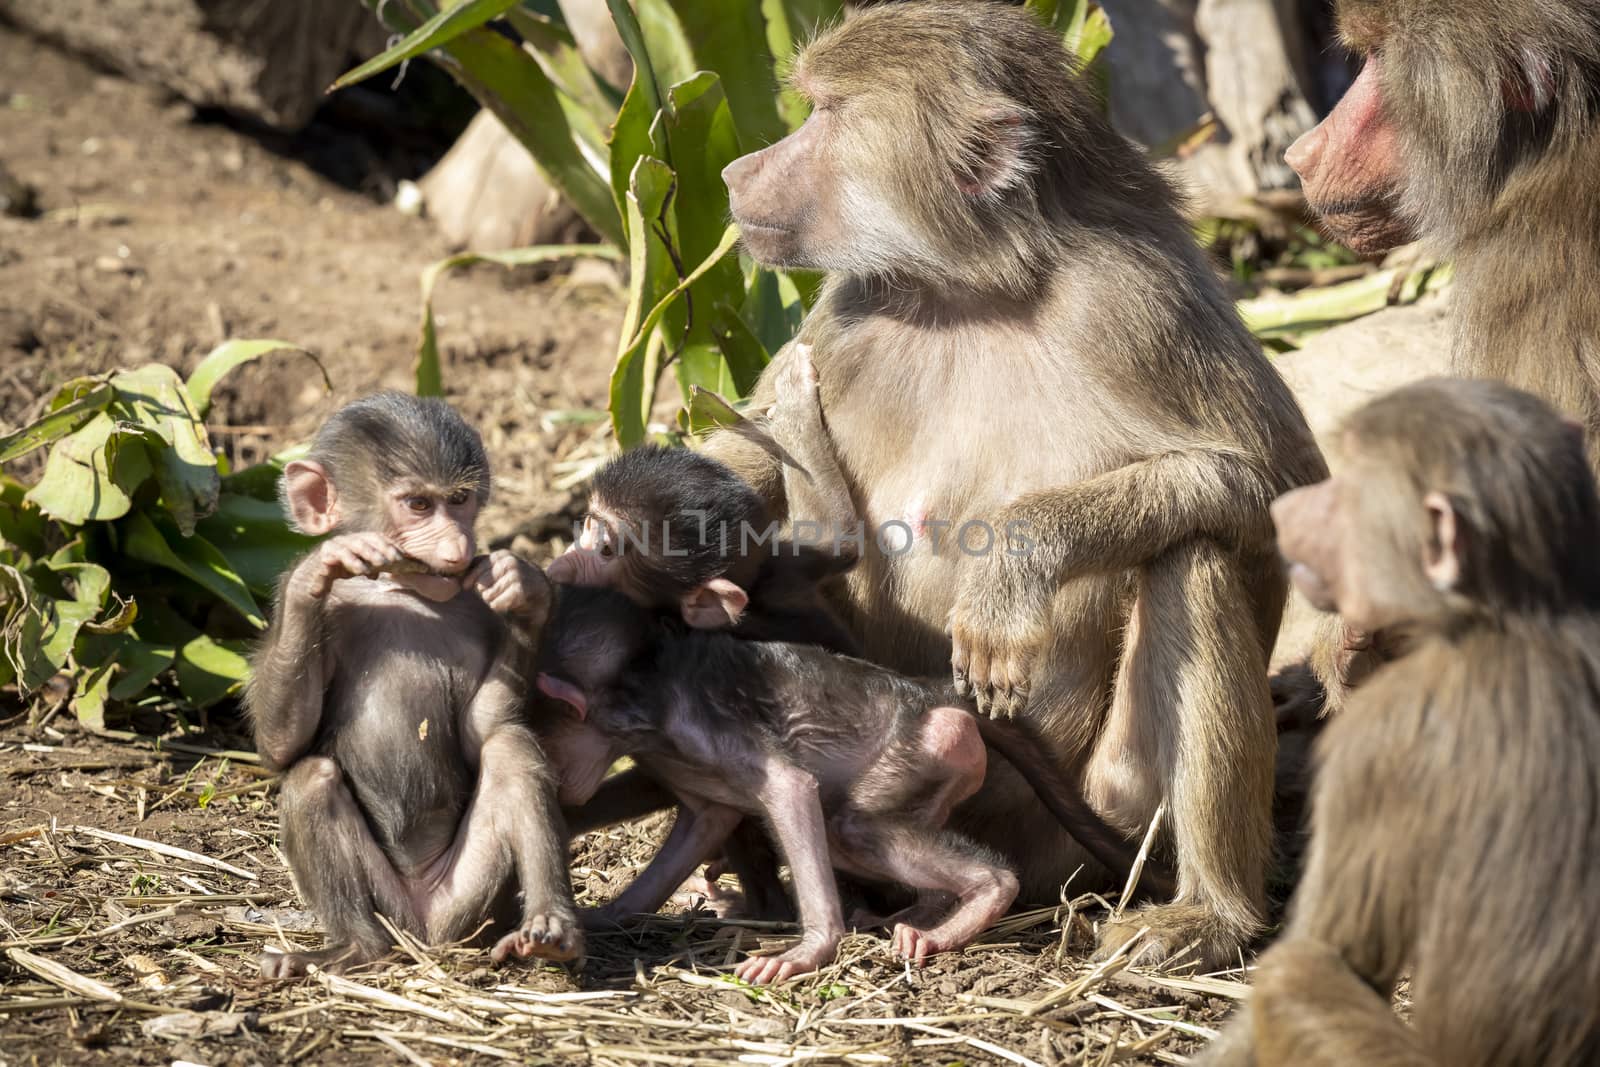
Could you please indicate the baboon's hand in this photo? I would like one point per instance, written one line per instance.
(998, 631)
(351, 555)
(549, 936)
(795, 417)
(511, 586)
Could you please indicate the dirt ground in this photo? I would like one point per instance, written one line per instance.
(162, 235)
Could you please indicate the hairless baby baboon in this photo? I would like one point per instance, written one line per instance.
(1031, 372)
(850, 765)
(1456, 814)
(677, 532)
(390, 688)
(1476, 126)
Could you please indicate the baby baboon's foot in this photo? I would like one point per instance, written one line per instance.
(915, 944)
(335, 960)
(1169, 932)
(812, 952)
(555, 936)
(718, 899)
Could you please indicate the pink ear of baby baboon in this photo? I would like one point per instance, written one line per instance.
(564, 691)
(714, 605)
(309, 496)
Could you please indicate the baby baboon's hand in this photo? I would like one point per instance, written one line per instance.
(511, 586)
(352, 555)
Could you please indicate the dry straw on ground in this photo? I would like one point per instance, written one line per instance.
(140, 885)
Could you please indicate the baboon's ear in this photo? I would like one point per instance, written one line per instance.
(564, 691)
(999, 152)
(714, 605)
(310, 497)
(1441, 556)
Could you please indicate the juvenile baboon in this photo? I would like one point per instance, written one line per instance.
(390, 688)
(1457, 807)
(1031, 373)
(1476, 126)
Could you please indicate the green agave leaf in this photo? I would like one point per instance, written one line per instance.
(644, 56)
(84, 398)
(594, 101)
(510, 82)
(1091, 37)
(439, 30)
(428, 373)
(701, 130)
(636, 347)
(650, 274)
(730, 37)
(706, 411)
(730, 237)
(231, 354)
(744, 354)
(157, 542)
(629, 143)
(557, 51)
(772, 308)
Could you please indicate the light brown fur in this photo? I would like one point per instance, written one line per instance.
(1457, 804)
(1486, 144)
(1023, 329)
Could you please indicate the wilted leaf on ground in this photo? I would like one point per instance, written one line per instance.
(74, 405)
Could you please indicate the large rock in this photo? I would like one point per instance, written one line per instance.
(268, 59)
(1336, 373)
(487, 193)
(1174, 65)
